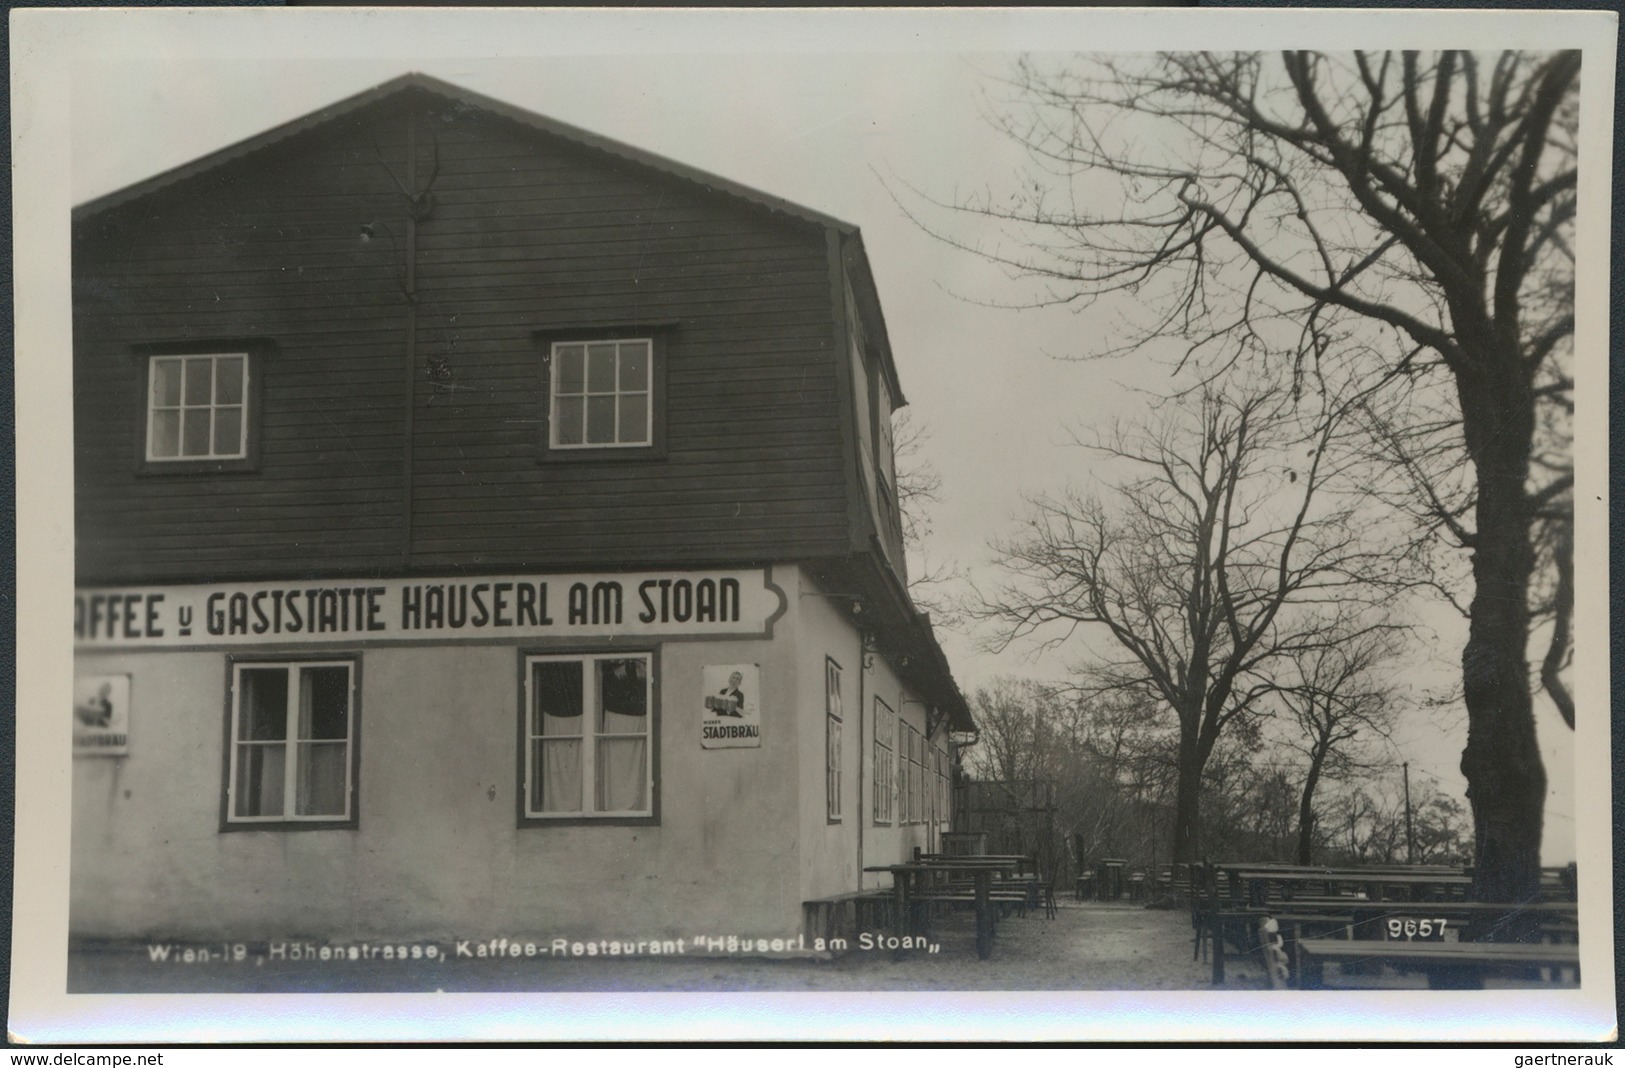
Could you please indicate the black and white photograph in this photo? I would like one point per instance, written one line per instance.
(955, 524)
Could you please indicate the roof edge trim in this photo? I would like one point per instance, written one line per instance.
(447, 90)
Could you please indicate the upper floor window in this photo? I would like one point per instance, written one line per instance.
(602, 394)
(197, 407)
(293, 732)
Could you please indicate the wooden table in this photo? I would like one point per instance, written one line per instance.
(1245, 880)
(1020, 860)
(908, 880)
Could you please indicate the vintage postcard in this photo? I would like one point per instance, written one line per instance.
(870, 524)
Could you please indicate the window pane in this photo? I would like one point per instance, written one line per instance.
(166, 433)
(228, 431)
(557, 692)
(199, 387)
(324, 702)
(569, 373)
(622, 697)
(262, 704)
(601, 368)
(259, 780)
(569, 412)
(556, 782)
(166, 382)
(634, 417)
(622, 774)
(600, 420)
(635, 366)
(195, 436)
(228, 380)
(321, 774)
(623, 686)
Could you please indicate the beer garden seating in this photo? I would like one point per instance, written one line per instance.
(1360, 918)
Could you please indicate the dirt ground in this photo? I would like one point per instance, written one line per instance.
(1086, 947)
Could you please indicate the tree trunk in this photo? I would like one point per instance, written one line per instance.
(1506, 783)
(1187, 796)
(1306, 812)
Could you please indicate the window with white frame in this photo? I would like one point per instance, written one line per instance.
(197, 407)
(942, 785)
(933, 781)
(292, 743)
(885, 762)
(589, 736)
(602, 394)
(832, 740)
(905, 773)
(916, 801)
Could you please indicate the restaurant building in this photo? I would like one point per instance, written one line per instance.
(484, 528)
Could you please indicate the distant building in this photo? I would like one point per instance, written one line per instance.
(487, 529)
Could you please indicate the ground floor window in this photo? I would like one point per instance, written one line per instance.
(833, 715)
(907, 805)
(885, 787)
(916, 777)
(293, 736)
(589, 736)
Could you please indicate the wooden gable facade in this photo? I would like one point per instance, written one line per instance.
(398, 268)
(349, 398)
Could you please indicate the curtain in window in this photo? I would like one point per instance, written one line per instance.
(262, 748)
(622, 775)
(556, 730)
(622, 771)
(560, 787)
(324, 730)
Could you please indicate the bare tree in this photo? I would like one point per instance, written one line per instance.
(1367, 824)
(919, 483)
(1022, 727)
(1334, 697)
(1219, 555)
(919, 486)
(1404, 220)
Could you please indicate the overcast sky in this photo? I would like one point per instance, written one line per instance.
(839, 131)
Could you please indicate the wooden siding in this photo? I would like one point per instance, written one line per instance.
(527, 233)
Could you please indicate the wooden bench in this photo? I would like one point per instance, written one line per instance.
(843, 915)
(1448, 965)
(1398, 923)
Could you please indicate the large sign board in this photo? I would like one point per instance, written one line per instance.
(664, 604)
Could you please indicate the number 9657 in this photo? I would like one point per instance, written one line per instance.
(1398, 928)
